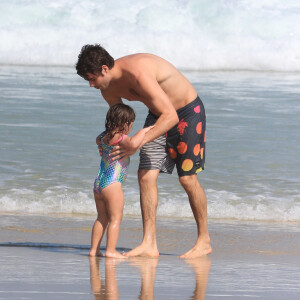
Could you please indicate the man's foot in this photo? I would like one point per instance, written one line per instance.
(143, 250)
(201, 248)
(114, 254)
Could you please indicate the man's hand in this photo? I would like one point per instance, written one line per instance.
(129, 146)
(124, 149)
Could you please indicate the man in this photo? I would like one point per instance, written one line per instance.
(175, 109)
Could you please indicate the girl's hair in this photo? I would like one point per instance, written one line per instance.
(118, 117)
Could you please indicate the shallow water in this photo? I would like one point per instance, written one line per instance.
(49, 118)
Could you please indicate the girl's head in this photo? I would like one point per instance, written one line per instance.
(119, 119)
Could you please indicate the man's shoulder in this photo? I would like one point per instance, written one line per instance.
(138, 59)
(139, 65)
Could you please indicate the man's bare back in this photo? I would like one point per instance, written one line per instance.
(134, 67)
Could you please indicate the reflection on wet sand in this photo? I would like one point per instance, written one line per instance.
(147, 267)
(108, 288)
(201, 267)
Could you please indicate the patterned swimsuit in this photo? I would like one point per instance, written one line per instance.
(110, 171)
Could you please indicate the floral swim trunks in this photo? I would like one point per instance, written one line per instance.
(183, 145)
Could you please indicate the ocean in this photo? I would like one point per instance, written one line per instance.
(50, 118)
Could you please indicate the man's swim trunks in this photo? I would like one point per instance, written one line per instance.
(110, 171)
(153, 155)
(184, 144)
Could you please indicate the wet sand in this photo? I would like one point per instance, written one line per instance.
(47, 257)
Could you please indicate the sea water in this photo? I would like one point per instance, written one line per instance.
(50, 117)
(241, 56)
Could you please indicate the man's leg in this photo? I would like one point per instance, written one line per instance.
(198, 204)
(149, 201)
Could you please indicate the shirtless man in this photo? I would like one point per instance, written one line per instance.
(175, 109)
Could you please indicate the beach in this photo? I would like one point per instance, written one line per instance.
(48, 161)
(242, 57)
(47, 257)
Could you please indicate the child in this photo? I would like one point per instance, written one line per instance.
(108, 191)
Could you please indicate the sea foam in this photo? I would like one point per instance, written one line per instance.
(192, 34)
(222, 205)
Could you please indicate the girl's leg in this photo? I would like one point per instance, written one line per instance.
(99, 225)
(114, 200)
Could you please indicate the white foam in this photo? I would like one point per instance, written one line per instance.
(193, 34)
(221, 204)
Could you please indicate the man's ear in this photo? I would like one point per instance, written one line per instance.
(105, 69)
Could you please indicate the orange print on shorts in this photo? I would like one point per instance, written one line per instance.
(202, 150)
(181, 126)
(199, 128)
(182, 147)
(197, 149)
(187, 165)
(172, 153)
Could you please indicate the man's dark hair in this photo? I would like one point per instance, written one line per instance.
(91, 59)
(117, 117)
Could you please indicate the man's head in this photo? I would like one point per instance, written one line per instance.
(91, 59)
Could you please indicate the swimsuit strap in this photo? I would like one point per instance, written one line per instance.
(119, 140)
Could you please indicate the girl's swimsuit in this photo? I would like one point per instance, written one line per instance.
(110, 171)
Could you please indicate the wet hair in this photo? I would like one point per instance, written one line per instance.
(91, 59)
(118, 117)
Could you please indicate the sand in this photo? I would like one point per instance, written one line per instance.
(47, 257)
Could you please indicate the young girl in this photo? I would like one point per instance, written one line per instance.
(108, 191)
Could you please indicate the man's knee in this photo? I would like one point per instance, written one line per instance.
(188, 181)
(147, 177)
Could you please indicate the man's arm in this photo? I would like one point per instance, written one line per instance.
(159, 103)
(137, 139)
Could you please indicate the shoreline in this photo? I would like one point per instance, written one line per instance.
(48, 257)
(173, 234)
